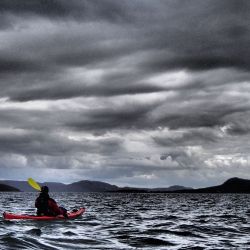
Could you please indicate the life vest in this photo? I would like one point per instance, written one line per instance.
(47, 206)
(42, 204)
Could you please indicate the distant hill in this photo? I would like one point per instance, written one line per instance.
(7, 188)
(85, 186)
(80, 186)
(172, 188)
(152, 190)
(131, 190)
(233, 185)
(91, 186)
(55, 186)
(21, 185)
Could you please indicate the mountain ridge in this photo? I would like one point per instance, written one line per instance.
(83, 186)
(7, 188)
(232, 185)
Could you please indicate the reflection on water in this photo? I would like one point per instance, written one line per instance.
(131, 221)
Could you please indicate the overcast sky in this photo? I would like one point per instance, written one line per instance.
(141, 93)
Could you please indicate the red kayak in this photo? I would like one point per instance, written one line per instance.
(72, 215)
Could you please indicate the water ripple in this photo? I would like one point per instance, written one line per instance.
(132, 221)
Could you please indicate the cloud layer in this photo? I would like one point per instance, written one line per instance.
(140, 93)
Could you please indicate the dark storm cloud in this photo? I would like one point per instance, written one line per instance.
(71, 91)
(238, 124)
(38, 143)
(183, 159)
(188, 138)
(198, 62)
(138, 117)
(210, 35)
(203, 115)
(34, 143)
(208, 119)
(63, 9)
(130, 117)
(13, 66)
(42, 7)
(238, 129)
(96, 119)
(202, 36)
(135, 87)
(36, 120)
(161, 36)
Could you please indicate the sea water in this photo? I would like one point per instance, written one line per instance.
(131, 221)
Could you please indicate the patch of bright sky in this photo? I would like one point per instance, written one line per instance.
(194, 150)
(43, 105)
(30, 105)
(80, 74)
(174, 79)
(228, 161)
(225, 128)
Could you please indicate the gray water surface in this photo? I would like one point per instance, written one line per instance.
(131, 221)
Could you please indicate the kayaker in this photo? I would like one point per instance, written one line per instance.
(48, 206)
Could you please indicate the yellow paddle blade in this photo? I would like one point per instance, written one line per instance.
(34, 184)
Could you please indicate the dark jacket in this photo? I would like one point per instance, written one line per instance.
(47, 206)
